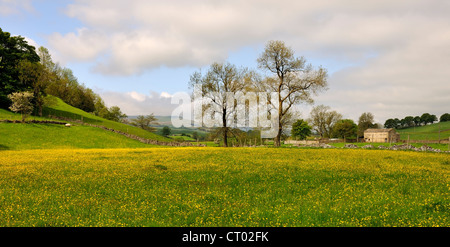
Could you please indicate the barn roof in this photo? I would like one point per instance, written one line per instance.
(378, 130)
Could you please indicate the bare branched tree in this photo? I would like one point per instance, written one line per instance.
(217, 84)
(291, 78)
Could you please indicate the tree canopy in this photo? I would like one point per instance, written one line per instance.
(22, 68)
(345, 128)
(13, 50)
(300, 129)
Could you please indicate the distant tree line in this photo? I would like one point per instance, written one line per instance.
(25, 69)
(411, 121)
(327, 123)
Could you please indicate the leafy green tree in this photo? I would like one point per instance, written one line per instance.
(37, 78)
(46, 59)
(195, 135)
(21, 102)
(115, 114)
(427, 118)
(390, 123)
(345, 128)
(100, 108)
(144, 122)
(300, 129)
(445, 117)
(166, 131)
(417, 121)
(13, 49)
(408, 121)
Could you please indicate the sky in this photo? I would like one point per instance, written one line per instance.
(390, 58)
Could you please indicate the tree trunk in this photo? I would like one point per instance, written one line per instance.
(225, 137)
(277, 142)
(40, 109)
(225, 129)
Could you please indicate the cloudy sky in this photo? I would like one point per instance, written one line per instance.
(391, 58)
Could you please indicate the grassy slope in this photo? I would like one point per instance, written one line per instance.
(63, 110)
(428, 132)
(51, 136)
(37, 136)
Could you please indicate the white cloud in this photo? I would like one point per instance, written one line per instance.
(137, 96)
(133, 103)
(84, 45)
(13, 7)
(399, 48)
(140, 35)
(165, 95)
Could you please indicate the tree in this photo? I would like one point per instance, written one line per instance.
(323, 120)
(390, 123)
(36, 77)
(428, 118)
(220, 80)
(417, 121)
(65, 86)
(292, 79)
(166, 131)
(21, 102)
(366, 121)
(144, 122)
(408, 121)
(46, 59)
(195, 135)
(433, 119)
(345, 128)
(115, 114)
(444, 118)
(301, 129)
(100, 108)
(13, 49)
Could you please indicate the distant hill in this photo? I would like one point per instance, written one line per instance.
(164, 120)
(435, 131)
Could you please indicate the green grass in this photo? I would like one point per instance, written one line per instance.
(224, 187)
(443, 147)
(185, 138)
(428, 132)
(51, 136)
(62, 109)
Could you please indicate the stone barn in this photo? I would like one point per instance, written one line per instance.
(381, 135)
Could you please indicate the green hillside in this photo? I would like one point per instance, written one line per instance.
(40, 136)
(52, 136)
(429, 132)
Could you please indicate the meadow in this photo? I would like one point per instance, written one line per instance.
(223, 187)
(52, 136)
(437, 131)
(61, 110)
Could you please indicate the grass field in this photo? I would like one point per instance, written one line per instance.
(218, 187)
(437, 131)
(52, 136)
(61, 109)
